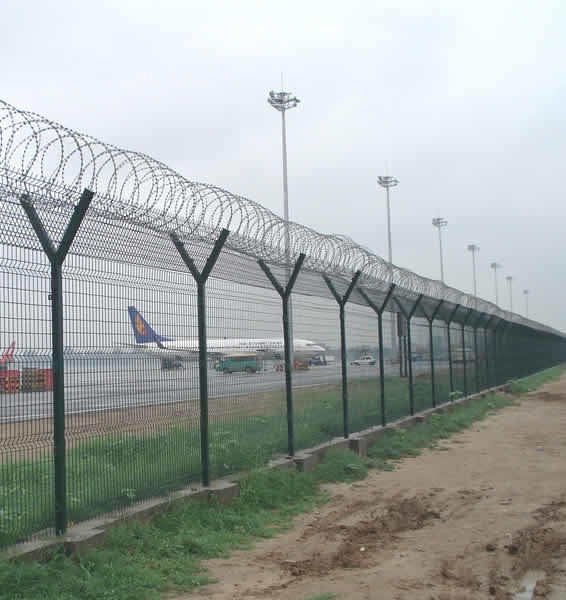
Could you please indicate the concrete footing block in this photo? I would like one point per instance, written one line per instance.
(306, 462)
(359, 445)
(223, 491)
(405, 423)
(370, 435)
(281, 463)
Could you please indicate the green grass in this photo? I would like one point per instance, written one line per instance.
(141, 561)
(340, 465)
(399, 443)
(144, 560)
(322, 597)
(533, 382)
(110, 472)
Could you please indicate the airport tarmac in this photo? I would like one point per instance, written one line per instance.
(117, 384)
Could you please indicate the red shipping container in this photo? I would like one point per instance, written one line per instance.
(10, 381)
(48, 379)
(12, 375)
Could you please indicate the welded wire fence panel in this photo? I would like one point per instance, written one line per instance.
(246, 388)
(441, 363)
(317, 383)
(132, 421)
(422, 379)
(166, 365)
(26, 416)
(397, 404)
(363, 369)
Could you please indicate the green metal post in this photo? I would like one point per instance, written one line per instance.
(495, 361)
(379, 311)
(342, 303)
(502, 351)
(486, 348)
(476, 351)
(381, 369)
(201, 279)
(287, 342)
(56, 258)
(450, 367)
(409, 316)
(431, 350)
(203, 382)
(464, 351)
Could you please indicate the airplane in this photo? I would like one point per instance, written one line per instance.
(170, 349)
(8, 356)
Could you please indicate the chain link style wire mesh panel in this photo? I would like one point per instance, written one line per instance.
(130, 331)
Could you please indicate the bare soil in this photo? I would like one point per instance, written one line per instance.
(462, 522)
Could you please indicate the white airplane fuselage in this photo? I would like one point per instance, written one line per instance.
(268, 348)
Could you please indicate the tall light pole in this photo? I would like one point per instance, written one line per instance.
(439, 222)
(283, 101)
(473, 249)
(526, 292)
(495, 266)
(387, 181)
(510, 282)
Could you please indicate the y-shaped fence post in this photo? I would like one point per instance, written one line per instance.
(200, 279)
(450, 367)
(431, 349)
(285, 294)
(504, 353)
(342, 303)
(495, 361)
(486, 347)
(464, 358)
(379, 310)
(57, 257)
(408, 316)
(475, 329)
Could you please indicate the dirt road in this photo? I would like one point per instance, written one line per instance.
(461, 522)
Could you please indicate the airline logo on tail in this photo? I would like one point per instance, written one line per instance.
(140, 327)
(9, 354)
(143, 332)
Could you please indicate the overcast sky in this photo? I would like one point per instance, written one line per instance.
(464, 100)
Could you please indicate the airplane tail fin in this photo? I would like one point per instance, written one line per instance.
(142, 330)
(9, 354)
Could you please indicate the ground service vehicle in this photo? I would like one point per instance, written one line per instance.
(364, 360)
(235, 363)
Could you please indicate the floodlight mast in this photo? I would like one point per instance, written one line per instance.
(495, 266)
(473, 249)
(526, 292)
(510, 282)
(283, 101)
(440, 222)
(387, 181)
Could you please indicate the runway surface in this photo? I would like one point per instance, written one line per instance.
(112, 383)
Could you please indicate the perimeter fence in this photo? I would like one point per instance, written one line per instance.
(154, 317)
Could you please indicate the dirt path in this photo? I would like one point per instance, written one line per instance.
(459, 524)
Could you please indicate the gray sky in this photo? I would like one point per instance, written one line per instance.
(465, 100)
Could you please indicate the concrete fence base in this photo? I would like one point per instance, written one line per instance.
(92, 533)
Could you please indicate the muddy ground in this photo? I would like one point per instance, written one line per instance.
(462, 522)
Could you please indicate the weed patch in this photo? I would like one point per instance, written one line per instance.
(533, 382)
(141, 561)
(340, 465)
